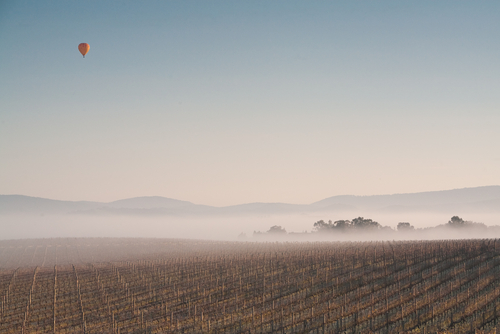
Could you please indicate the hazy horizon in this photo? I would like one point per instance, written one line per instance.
(187, 200)
(218, 228)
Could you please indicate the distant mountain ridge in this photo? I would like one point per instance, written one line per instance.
(480, 199)
(27, 204)
(148, 202)
(464, 195)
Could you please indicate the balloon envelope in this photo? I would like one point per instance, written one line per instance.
(83, 48)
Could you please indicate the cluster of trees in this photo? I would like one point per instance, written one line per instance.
(357, 224)
(405, 227)
(458, 222)
(361, 224)
(273, 230)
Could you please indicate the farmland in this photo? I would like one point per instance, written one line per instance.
(186, 286)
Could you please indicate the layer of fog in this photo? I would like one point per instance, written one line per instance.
(226, 227)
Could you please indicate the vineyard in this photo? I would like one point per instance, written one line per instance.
(181, 286)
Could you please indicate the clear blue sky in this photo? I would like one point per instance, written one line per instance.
(227, 102)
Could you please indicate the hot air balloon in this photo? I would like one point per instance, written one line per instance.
(83, 48)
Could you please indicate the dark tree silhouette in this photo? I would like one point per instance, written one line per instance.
(359, 223)
(363, 223)
(276, 229)
(405, 227)
(456, 221)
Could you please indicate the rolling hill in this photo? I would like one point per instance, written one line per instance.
(478, 199)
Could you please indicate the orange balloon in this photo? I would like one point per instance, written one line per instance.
(83, 48)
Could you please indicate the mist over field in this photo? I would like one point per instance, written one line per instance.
(16, 226)
(159, 217)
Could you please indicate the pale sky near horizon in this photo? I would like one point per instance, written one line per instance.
(230, 102)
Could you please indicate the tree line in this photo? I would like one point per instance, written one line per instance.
(361, 224)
